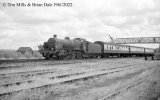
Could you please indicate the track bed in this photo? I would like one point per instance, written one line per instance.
(90, 79)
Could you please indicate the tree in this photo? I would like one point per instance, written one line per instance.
(28, 55)
(40, 47)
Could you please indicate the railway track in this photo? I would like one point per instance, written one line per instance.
(50, 71)
(112, 95)
(20, 62)
(27, 73)
(28, 62)
(7, 89)
(42, 60)
(41, 72)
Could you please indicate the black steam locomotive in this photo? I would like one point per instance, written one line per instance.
(80, 48)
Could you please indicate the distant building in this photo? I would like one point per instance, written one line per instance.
(24, 50)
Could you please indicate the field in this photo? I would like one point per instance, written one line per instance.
(85, 79)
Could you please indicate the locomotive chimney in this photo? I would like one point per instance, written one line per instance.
(55, 36)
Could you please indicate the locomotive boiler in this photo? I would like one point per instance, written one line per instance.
(58, 44)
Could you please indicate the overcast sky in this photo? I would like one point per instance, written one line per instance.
(90, 19)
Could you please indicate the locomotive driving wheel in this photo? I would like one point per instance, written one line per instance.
(47, 56)
(78, 55)
(73, 56)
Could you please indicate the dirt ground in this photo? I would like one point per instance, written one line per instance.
(98, 87)
(148, 90)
